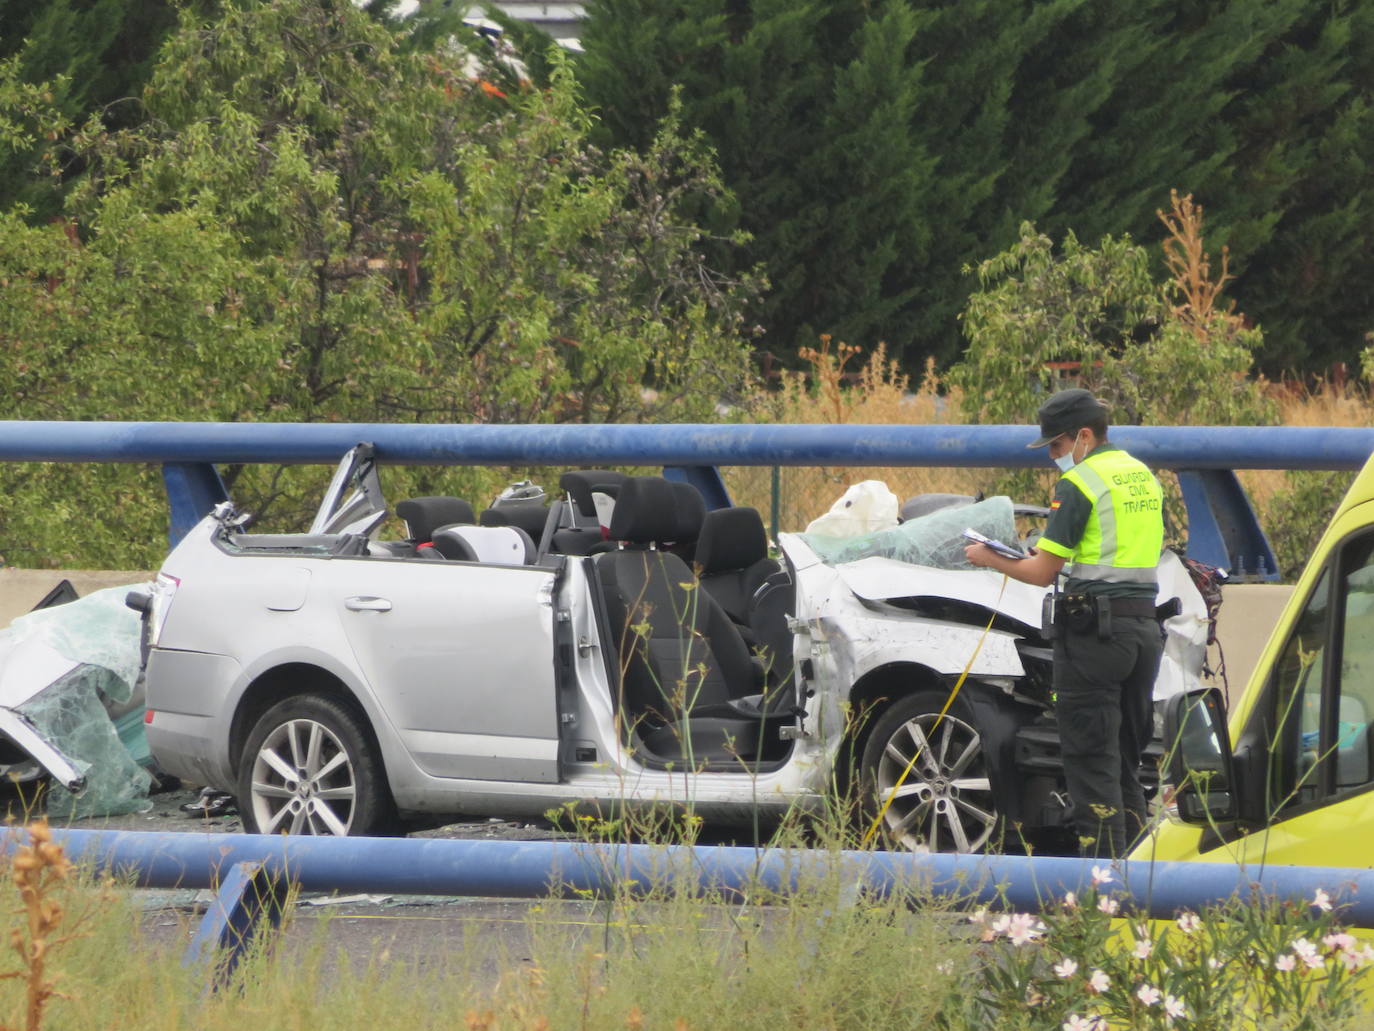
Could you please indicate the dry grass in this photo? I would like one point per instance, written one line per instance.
(841, 390)
(1325, 404)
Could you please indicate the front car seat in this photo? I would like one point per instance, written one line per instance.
(686, 673)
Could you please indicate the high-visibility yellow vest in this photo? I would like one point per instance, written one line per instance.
(1125, 533)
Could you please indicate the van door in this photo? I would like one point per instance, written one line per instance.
(1315, 723)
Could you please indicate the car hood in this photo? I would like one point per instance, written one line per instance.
(886, 579)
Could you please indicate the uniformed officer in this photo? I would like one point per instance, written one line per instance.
(1106, 522)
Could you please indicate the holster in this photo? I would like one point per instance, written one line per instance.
(1080, 614)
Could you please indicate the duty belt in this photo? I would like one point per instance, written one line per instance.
(1120, 606)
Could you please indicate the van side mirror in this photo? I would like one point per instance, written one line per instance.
(1197, 751)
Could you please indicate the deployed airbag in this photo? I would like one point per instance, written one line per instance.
(931, 540)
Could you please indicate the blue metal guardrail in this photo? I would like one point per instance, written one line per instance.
(251, 872)
(1223, 529)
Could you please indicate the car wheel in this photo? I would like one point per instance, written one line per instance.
(309, 767)
(945, 801)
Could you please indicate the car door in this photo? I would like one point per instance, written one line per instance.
(1317, 719)
(460, 657)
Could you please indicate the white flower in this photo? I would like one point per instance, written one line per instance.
(1148, 994)
(1307, 952)
(1340, 940)
(1322, 901)
(1143, 948)
(1285, 962)
(999, 926)
(1174, 1007)
(1066, 967)
(1108, 905)
(1351, 960)
(1077, 1023)
(1213, 963)
(1070, 900)
(1023, 928)
(1189, 922)
(1099, 982)
(1102, 875)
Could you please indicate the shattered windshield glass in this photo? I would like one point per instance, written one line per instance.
(70, 715)
(930, 540)
(81, 699)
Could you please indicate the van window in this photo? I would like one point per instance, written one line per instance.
(1324, 687)
(1298, 683)
(1354, 696)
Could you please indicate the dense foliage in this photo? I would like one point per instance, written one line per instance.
(317, 223)
(874, 148)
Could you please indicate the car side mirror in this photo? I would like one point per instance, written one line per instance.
(1198, 756)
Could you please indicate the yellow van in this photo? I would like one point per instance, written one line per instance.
(1291, 781)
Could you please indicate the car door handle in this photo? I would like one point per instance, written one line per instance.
(367, 604)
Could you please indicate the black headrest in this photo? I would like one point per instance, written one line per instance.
(645, 511)
(425, 515)
(731, 538)
(527, 516)
(691, 510)
(579, 483)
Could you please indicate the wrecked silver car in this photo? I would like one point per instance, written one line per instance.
(619, 646)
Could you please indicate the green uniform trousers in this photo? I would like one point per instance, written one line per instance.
(1104, 704)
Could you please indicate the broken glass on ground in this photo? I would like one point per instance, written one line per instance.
(67, 673)
(934, 540)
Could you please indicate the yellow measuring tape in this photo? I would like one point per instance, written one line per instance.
(877, 820)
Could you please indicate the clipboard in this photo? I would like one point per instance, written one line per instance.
(1005, 550)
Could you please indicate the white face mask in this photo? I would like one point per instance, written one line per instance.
(1067, 461)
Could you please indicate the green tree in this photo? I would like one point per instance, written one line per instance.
(1299, 195)
(95, 56)
(1072, 115)
(319, 223)
(1159, 354)
(805, 104)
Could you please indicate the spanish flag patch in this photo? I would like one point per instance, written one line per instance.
(1054, 504)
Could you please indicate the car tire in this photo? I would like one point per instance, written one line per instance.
(310, 767)
(945, 802)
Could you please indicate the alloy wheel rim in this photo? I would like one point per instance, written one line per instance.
(945, 802)
(303, 781)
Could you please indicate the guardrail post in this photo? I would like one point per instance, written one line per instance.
(1223, 529)
(706, 479)
(193, 489)
(250, 893)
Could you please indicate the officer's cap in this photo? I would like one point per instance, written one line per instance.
(1066, 411)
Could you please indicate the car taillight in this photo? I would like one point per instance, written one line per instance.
(159, 605)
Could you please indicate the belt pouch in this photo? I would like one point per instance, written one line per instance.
(1103, 605)
(1047, 627)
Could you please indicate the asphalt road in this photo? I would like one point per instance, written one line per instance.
(425, 932)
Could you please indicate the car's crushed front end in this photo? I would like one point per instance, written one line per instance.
(945, 677)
